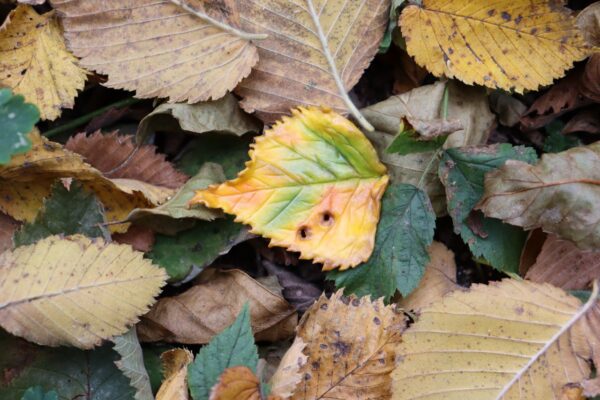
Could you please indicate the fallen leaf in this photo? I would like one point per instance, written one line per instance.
(234, 346)
(36, 62)
(238, 383)
(140, 238)
(116, 156)
(17, 119)
(351, 345)
(558, 194)
(37, 393)
(160, 49)
(587, 121)
(77, 283)
(132, 364)
(296, 190)
(461, 40)
(469, 105)
(439, 279)
(8, 226)
(65, 212)
(562, 264)
(175, 385)
(589, 81)
(398, 262)
(196, 315)
(508, 108)
(433, 128)
(588, 22)
(299, 292)
(509, 340)
(287, 377)
(314, 54)
(555, 141)
(223, 115)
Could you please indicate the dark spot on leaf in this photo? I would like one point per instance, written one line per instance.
(506, 16)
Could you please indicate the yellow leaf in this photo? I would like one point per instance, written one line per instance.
(160, 49)
(351, 344)
(313, 185)
(175, 363)
(75, 291)
(507, 44)
(238, 383)
(36, 63)
(509, 340)
(28, 179)
(287, 376)
(315, 53)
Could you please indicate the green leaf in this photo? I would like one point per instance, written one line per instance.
(555, 141)
(17, 119)
(232, 347)
(404, 234)
(37, 393)
(153, 363)
(132, 364)
(386, 42)
(462, 170)
(407, 143)
(196, 247)
(72, 373)
(65, 212)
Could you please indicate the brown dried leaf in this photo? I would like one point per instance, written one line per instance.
(588, 22)
(562, 264)
(351, 344)
(429, 129)
(158, 48)
(207, 308)
(439, 279)
(174, 386)
(587, 121)
(589, 82)
(238, 383)
(117, 156)
(138, 237)
(8, 226)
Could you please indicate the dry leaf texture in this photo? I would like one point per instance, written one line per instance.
(238, 383)
(174, 386)
(313, 185)
(36, 63)
(158, 48)
(75, 291)
(509, 44)
(508, 340)
(118, 157)
(316, 51)
(559, 194)
(351, 344)
(287, 376)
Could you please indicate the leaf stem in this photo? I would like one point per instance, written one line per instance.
(225, 27)
(84, 119)
(429, 166)
(336, 76)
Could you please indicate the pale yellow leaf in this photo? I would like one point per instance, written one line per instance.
(175, 363)
(36, 63)
(287, 376)
(75, 291)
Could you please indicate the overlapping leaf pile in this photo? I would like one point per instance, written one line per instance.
(444, 246)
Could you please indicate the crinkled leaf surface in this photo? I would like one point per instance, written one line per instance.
(66, 212)
(234, 346)
(404, 233)
(36, 63)
(508, 340)
(95, 288)
(559, 194)
(132, 365)
(175, 363)
(462, 171)
(313, 185)
(159, 49)
(17, 119)
(512, 45)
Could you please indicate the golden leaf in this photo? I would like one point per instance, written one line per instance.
(36, 63)
(351, 344)
(509, 44)
(75, 291)
(175, 363)
(313, 185)
(160, 49)
(28, 179)
(509, 340)
(315, 52)
(238, 383)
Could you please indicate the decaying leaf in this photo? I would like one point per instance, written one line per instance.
(36, 63)
(175, 363)
(287, 377)
(132, 364)
(315, 52)
(8, 226)
(512, 45)
(508, 340)
(439, 279)
(588, 21)
(313, 185)
(140, 238)
(116, 156)
(351, 344)
(17, 119)
(238, 383)
(78, 283)
(160, 49)
(589, 83)
(29, 177)
(562, 264)
(205, 309)
(559, 194)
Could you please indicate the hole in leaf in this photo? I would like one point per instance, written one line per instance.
(304, 232)
(326, 218)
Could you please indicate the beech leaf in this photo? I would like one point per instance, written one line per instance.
(313, 185)
(17, 119)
